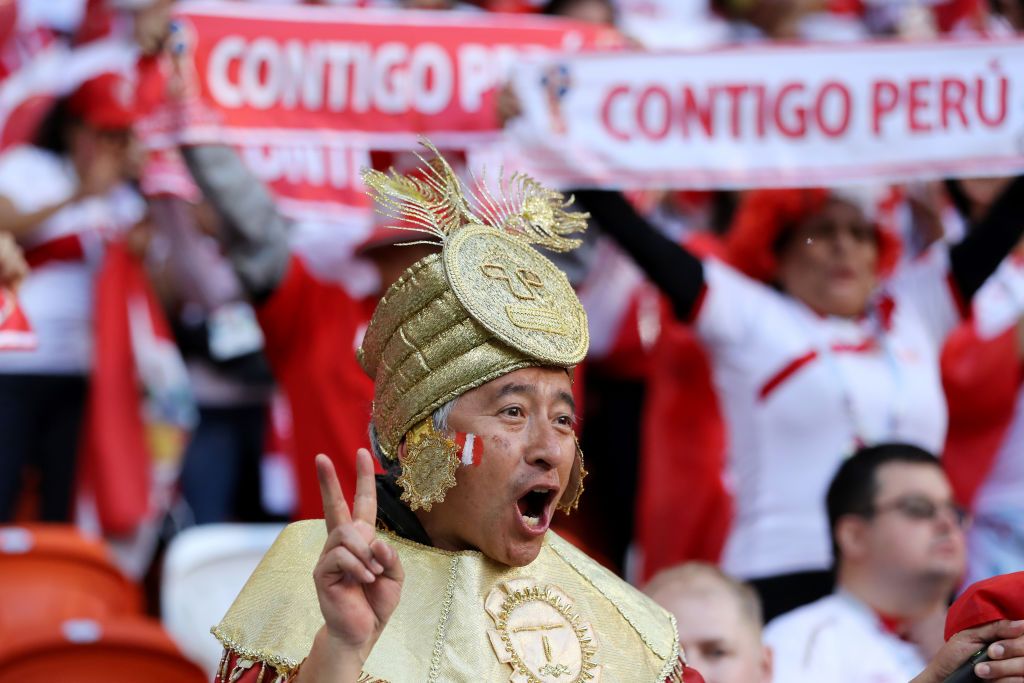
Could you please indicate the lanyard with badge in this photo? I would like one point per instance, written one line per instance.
(882, 341)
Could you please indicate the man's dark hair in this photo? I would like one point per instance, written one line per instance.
(855, 484)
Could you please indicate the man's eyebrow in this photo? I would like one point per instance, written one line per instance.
(531, 390)
(515, 389)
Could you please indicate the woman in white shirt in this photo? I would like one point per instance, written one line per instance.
(826, 355)
(60, 203)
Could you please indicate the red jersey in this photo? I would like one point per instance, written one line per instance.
(312, 331)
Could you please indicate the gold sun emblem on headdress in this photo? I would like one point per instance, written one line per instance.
(488, 239)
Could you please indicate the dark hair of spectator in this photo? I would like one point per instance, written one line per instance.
(855, 485)
(723, 210)
(560, 7)
(52, 133)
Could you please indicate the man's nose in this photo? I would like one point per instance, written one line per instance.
(949, 518)
(544, 445)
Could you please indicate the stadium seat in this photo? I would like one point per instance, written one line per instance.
(125, 649)
(51, 572)
(204, 569)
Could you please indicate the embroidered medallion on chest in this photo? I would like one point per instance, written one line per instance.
(540, 635)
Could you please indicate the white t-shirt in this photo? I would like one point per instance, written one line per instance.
(997, 306)
(1003, 489)
(838, 639)
(57, 296)
(799, 392)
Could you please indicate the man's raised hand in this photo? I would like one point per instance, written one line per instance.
(358, 578)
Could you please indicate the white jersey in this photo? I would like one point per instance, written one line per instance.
(838, 639)
(800, 392)
(996, 307)
(1004, 487)
(996, 538)
(57, 296)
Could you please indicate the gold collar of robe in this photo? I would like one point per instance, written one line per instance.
(464, 617)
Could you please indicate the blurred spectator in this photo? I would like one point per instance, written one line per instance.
(996, 540)
(13, 267)
(312, 327)
(428, 5)
(789, 20)
(1011, 12)
(594, 11)
(982, 374)
(60, 201)
(222, 345)
(144, 25)
(834, 356)
(719, 621)
(994, 472)
(672, 24)
(899, 547)
(151, 22)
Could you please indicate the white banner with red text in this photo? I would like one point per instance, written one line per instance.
(771, 116)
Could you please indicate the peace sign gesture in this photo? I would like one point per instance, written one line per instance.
(358, 578)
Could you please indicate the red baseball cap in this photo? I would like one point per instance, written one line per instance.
(106, 102)
(1001, 597)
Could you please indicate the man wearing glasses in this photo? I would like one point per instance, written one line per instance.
(898, 544)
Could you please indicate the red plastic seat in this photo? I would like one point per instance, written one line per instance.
(53, 572)
(129, 649)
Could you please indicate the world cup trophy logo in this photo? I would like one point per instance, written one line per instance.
(556, 82)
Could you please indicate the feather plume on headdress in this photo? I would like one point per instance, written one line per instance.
(437, 202)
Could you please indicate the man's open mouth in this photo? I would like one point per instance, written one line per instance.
(535, 507)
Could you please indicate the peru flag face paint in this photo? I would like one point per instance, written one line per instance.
(470, 446)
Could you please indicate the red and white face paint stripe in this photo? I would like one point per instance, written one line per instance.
(470, 446)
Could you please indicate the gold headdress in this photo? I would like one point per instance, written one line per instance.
(487, 305)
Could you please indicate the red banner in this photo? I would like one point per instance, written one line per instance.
(379, 78)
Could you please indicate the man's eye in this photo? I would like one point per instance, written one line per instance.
(565, 420)
(513, 411)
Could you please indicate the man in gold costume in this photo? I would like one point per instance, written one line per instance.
(444, 569)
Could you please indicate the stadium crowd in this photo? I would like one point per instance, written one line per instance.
(802, 411)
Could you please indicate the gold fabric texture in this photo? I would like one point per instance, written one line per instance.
(561, 612)
(517, 294)
(487, 305)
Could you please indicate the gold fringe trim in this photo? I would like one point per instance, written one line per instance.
(239, 670)
(676, 675)
(673, 670)
(284, 665)
(222, 668)
(243, 665)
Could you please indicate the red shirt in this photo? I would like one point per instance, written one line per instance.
(312, 331)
